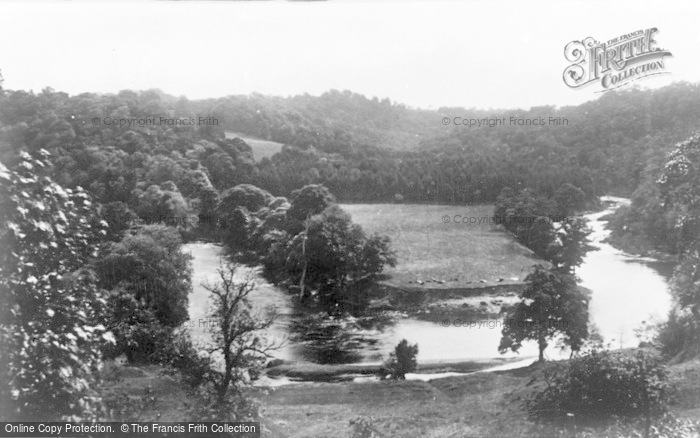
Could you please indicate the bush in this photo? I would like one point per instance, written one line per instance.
(51, 310)
(664, 427)
(402, 360)
(601, 385)
(185, 357)
(678, 332)
(362, 427)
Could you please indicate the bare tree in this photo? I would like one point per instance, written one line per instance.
(235, 327)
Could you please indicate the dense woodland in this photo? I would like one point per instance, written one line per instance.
(361, 149)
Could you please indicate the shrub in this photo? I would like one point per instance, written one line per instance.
(139, 335)
(679, 331)
(50, 306)
(362, 427)
(402, 360)
(602, 384)
(664, 427)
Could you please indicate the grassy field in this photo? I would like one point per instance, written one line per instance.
(445, 247)
(473, 405)
(261, 148)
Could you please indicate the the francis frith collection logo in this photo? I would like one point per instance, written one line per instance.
(616, 62)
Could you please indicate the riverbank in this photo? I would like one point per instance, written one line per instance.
(313, 372)
(477, 404)
(480, 404)
(430, 304)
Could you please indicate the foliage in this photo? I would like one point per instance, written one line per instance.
(125, 408)
(402, 360)
(543, 224)
(236, 338)
(243, 195)
(161, 205)
(51, 310)
(238, 211)
(360, 148)
(138, 332)
(362, 427)
(679, 331)
(149, 279)
(552, 304)
(603, 384)
(150, 265)
(570, 245)
(119, 218)
(665, 427)
(308, 201)
(669, 212)
(336, 258)
(680, 188)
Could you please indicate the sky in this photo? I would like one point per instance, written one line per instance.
(427, 54)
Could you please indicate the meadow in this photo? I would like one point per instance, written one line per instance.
(261, 148)
(445, 247)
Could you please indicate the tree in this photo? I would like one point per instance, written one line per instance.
(569, 199)
(119, 218)
(151, 265)
(308, 201)
(236, 213)
(336, 258)
(148, 273)
(235, 329)
(208, 200)
(51, 309)
(570, 244)
(159, 205)
(243, 195)
(680, 186)
(551, 304)
(402, 360)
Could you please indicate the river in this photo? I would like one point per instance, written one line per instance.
(627, 293)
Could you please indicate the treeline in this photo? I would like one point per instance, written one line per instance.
(363, 150)
(665, 216)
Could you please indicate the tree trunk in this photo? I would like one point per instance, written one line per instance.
(542, 347)
(306, 262)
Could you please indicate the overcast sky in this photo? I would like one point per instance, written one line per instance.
(425, 54)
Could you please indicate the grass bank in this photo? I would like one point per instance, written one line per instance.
(473, 405)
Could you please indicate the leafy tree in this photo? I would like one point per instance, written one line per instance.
(119, 218)
(308, 201)
(570, 244)
(160, 205)
(51, 309)
(337, 259)
(569, 199)
(402, 360)
(236, 214)
(552, 304)
(150, 280)
(236, 337)
(208, 200)
(680, 186)
(243, 195)
(527, 215)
